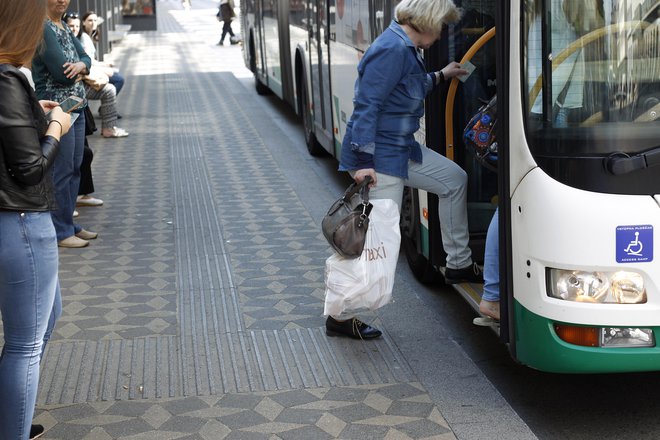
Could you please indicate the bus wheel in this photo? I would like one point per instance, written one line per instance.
(313, 146)
(420, 266)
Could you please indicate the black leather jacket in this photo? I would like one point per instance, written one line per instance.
(26, 154)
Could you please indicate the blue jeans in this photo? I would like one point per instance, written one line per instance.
(66, 177)
(118, 81)
(492, 261)
(29, 291)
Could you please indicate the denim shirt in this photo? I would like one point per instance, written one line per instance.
(387, 106)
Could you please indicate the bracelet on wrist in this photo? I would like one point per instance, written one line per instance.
(58, 123)
(441, 77)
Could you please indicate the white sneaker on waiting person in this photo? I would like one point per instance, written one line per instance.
(87, 200)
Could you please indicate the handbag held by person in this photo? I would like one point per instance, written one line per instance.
(345, 225)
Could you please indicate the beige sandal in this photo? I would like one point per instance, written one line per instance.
(116, 133)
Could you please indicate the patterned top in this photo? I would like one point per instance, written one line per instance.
(60, 46)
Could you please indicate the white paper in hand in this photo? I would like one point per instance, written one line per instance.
(470, 68)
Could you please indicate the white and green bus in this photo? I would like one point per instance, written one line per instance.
(578, 167)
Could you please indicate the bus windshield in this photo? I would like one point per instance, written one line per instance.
(591, 72)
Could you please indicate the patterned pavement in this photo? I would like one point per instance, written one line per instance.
(197, 314)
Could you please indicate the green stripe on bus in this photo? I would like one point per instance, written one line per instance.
(538, 346)
(425, 240)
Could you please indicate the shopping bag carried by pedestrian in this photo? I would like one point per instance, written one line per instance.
(346, 223)
(366, 282)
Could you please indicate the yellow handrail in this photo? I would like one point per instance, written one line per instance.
(451, 94)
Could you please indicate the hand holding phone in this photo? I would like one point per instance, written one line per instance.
(71, 103)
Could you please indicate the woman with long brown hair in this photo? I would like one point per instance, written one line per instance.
(29, 287)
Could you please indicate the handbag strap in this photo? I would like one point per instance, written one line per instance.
(362, 188)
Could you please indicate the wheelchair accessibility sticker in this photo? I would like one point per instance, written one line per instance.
(634, 244)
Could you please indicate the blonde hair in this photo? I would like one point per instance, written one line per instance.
(21, 30)
(427, 16)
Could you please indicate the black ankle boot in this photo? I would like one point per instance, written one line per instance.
(352, 328)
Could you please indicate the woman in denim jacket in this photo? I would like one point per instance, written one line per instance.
(379, 142)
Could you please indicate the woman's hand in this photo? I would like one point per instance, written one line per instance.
(361, 174)
(72, 70)
(48, 105)
(452, 70)
(64, 119)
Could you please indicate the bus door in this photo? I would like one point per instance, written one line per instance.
(271, 43)
(320, 71)
(258, 55)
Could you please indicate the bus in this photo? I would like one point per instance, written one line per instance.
(577, 176)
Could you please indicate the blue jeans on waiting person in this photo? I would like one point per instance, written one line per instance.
(66, 177)
(29, 305)
(118, 81)
(492, 261)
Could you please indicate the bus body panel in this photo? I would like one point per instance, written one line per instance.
(343, 73)
(320, 72)
(555, 228)
(271, 37)
(298, 42)
(521, 161)
(538, 346)
(252, 27)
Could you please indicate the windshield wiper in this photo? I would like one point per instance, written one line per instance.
(623, 163)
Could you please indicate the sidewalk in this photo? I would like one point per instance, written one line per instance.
(197, 314)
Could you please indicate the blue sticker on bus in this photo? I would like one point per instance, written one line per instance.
(634, 244)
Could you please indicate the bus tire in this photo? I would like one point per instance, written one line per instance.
(313, 146)
(420, 266)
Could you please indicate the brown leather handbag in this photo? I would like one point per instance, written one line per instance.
(345, 225)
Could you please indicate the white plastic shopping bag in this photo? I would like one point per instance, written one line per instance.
(366, 282)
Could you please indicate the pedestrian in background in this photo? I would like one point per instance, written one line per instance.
(56, 70)
(379, 141)
(29, 288)
(226, 14)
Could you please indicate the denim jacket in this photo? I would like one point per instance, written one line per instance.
(388, 103)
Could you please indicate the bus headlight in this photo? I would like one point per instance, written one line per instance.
(621, 287)
(628, 288)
